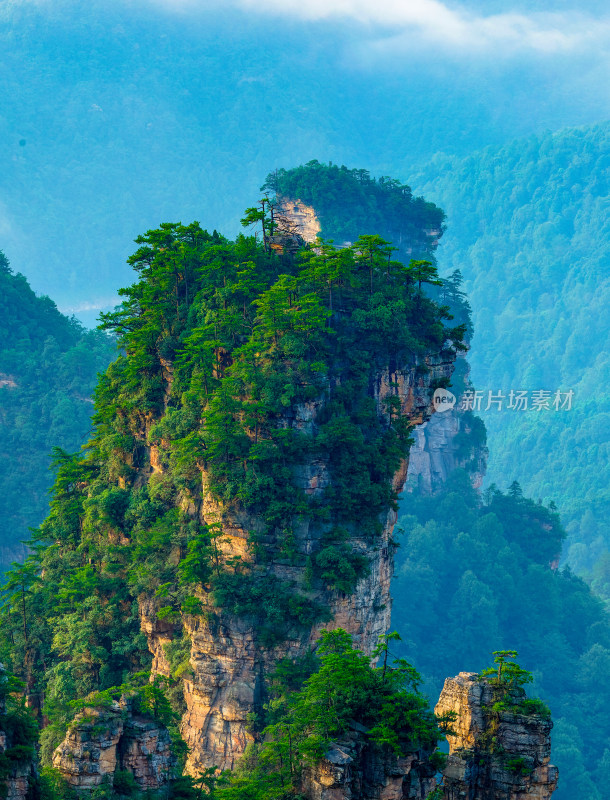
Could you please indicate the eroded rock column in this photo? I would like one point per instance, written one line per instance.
(495, 755)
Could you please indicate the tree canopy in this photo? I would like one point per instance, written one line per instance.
(48, 370)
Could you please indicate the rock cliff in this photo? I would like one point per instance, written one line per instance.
(449, 440)
(228, 661)
(353, 770)
(495, 754)
(250, 481)
(295, 218)
(101, 741)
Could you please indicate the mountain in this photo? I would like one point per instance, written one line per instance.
(48, 370)
(241, 477)
(527, 225)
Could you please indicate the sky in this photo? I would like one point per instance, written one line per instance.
(457, 28)
(120, 114)
(495, 28)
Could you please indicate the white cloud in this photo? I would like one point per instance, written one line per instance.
(104, 304)
(451, 27)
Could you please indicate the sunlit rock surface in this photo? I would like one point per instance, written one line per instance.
(101, 741)
(494, 757)
(228, 661)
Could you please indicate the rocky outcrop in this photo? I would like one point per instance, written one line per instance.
(501, 754)
(15, 785)
(438, 450)
(7, 381)
(356, 770)
(16, 770)
(101, 741)
(228, 661)
(449, 440)
(295, 218)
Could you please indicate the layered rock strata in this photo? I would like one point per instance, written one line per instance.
(494, 755)
(101, 741)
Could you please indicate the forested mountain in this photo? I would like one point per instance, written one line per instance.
(223, 342)
(527, 224)
(473, 577)
(48, 370)
(239, 478)
(349, 201)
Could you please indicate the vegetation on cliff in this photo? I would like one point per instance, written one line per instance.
(344, 692)
(223, 342)
(472, 577)
(18, 730)
(48, 370)
(349, 202)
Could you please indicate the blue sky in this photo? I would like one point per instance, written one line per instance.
(552, 28)
(116, 116)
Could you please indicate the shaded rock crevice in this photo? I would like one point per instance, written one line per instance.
(355, 769)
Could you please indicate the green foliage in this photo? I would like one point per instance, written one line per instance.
(534, 266)
(308, 712)
(52, 786)
(508, 674)
(178, 653)
(124, 784)
(151, 699)
(205, 784)
(337, 564)
(438, 760)
(49, 369)
(518, 766)
(350, 202)
(19, 727)
(481, 574)
(534, 706)
(272, 604)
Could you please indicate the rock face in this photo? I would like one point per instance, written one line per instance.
(296, 218)
(353, 770)
(16, 784)
(101, 741)
(444, 443)
(228, 661)
(494, 756)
